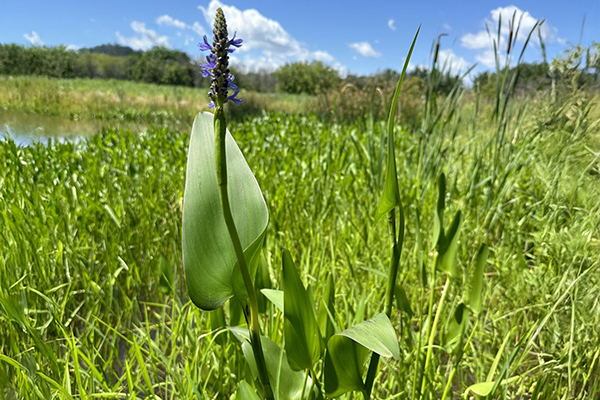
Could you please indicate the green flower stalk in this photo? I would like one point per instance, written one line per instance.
(221, 81)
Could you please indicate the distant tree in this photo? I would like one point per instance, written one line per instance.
(304, 77)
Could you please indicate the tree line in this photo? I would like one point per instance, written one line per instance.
(159, 65)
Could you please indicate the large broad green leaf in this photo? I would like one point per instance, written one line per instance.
(391, 195)
(303, 342)
(245, 392)
(347, 352)
(208, 255)
(446, 261)
(475, 299)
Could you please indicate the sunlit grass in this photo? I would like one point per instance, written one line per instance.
(86, 308)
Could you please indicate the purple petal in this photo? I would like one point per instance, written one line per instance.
(205, 46)
(211, 104)
(235, 42)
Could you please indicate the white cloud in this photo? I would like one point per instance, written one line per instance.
(188, 39)
(487, 58)
(391, 25)
(447, 27)
(145, 38)
(452, 62)
(267, 45)
(167, 20)
(34, 38)
(323, 56)
(73, 47)
(484, 41)
(479, 40)
(199, 29)
(364, 49)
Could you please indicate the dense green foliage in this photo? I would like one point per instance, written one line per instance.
(304, 77)
(157, 65)
(92, 292)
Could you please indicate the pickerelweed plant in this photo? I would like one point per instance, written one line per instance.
(222, 241)
(222, 245)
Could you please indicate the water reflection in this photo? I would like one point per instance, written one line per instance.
(26, 128)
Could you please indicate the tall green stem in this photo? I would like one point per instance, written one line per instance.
(391, 285)
(432, 331)
(254, 326)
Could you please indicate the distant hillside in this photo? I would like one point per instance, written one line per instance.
(115, 50)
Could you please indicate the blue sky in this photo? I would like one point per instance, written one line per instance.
(356, 37)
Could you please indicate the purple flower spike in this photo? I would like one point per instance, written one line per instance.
(217, 64)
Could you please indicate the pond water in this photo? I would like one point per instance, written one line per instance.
(26, 128)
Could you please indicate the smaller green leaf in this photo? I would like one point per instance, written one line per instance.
(475, 298)
(303, 341)
(438, 220)
(327, 309)
(457, 327)
(446, 261)
(286, 383)
(344, 363)
(246, 392)
(481, 389)
(166, 281)
(262, 281)
(484, 389)
(376, 334)
(217, 321)
(236, 313)
(275, 297)
(402, 302)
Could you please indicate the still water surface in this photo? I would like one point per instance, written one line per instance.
(27, 128)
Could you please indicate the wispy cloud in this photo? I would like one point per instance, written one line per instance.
(452, 62)
(391, 25)
(365, 49)
(144, 39)
(267, 45)
(167, 20)
(34, 38)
